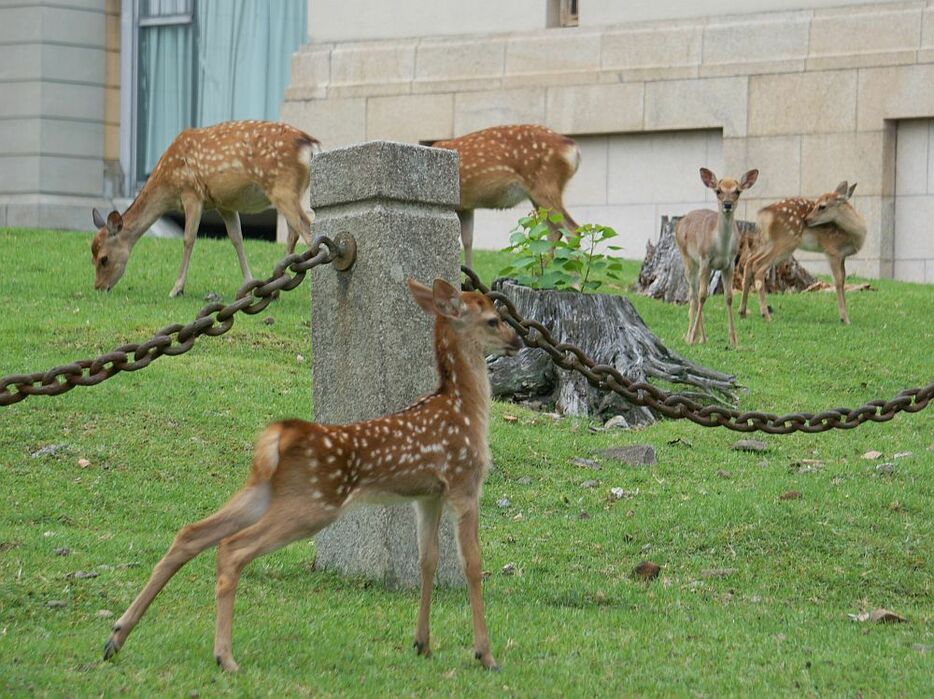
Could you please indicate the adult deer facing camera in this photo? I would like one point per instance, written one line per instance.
(708, 240)
(236, 166)
(828, 224)
(306, 475)
(503, 165)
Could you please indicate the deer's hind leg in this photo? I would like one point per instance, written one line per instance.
(286, 520)
(242, 510)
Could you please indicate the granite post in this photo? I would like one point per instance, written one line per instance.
(372, 345)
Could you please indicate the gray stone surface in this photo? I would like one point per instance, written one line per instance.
(371, 343)
(633, 454)
(386, 171)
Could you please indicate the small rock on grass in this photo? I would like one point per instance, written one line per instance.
(81, 575)
(617, 422)
(586, 463)
(872, 455)
(756, 445)
(83, 463)
(268, 320)
(48, 450)
(590, 484)
(790, 495)
(583, 515)
(634, 454)
(503, 503)
(886, 469)
(213, 297)
(104, 613)
(510, 569)
(56, 604)
(724, 474)
(646, 570)
(524, 480)
(62, 551)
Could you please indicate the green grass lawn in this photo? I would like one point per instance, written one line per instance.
(168, 444)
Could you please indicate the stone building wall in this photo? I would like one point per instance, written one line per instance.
(54, 99)
(810, 97)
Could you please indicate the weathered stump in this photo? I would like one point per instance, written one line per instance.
(609, 330)
(662, 273)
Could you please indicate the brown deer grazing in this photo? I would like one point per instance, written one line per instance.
(828, 224)
(708, 240)
(236, 166)
(305, 475)
(502, 165)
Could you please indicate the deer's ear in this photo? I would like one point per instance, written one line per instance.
(422, 295)
(114, 223)
(447, 299)
(842, 188)
(850, 191)
(708, 178)
(98, 220)
(749, 179)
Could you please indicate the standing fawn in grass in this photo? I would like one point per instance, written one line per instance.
(708, 240)
(502, 165)
(828, 224)
(306, 475)
(236, 166)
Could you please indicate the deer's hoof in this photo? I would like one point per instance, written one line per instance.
(111, 648)
(226, 664)
(487, 660)
(422, 648)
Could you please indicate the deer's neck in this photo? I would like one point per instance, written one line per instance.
(725, 226)
(151, 202)
(463, 374)
(851, 221)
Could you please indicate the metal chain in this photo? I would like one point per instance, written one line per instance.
(214, 319)
(673, 405)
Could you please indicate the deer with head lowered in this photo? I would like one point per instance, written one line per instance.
(236, 166)
(828, 224)
(708, 240)
(305, 475)
(503, 165)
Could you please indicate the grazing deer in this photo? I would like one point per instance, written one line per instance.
(502, 165)
(306, 475)
(236, 166)
(828, 224)
(708, 240)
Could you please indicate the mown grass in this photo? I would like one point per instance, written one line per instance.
(168, 444)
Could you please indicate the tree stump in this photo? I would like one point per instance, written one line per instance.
(610, 331)
(662, 273)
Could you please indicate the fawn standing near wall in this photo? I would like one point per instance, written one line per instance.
(828, 224)
(502, 165)
(709, 240)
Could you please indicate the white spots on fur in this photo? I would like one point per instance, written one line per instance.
(326, 441)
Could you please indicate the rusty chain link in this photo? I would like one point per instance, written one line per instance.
(214, 319)
(673, 405)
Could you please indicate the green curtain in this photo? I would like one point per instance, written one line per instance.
(244, 52)
(231, 63)
(165, 90)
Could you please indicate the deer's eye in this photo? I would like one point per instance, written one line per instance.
(719, 191)
(822, 207)
(493, 322)
(103, 261)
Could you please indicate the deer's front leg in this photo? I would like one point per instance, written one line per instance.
(468, 536)
(193, 207)
(727, 275)
(427, 519)
(839, 281)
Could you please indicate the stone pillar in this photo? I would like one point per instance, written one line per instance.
(372, 345)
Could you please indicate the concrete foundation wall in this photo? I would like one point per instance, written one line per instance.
(809, 96)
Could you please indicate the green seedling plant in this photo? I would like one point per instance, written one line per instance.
(571, 263)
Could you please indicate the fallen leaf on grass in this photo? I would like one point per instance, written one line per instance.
(878, 616)
(872, 455)
(790, 495)
(510, 418)
(83, 463)
(646, 570)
